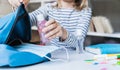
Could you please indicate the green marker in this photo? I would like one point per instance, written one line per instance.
(118, 56)
(91, 60)
(118, 63)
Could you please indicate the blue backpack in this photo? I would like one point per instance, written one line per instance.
(15, 26)
(14, 29)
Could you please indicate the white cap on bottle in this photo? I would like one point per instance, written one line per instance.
(40, 17)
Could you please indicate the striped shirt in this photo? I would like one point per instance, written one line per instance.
(74, 21)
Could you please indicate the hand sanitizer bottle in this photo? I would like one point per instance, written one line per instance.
(80, 40)
(41, 24)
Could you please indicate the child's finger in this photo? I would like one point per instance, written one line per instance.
(49, 22)
(52, 32)
(50, 27)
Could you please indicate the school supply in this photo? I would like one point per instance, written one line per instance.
(15, 26)
(103, 48)
(107, 56)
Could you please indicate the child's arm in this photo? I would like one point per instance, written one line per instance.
(84, 21)
(40, 10)
(72, 38)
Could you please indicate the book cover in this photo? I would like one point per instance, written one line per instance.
(103, 48)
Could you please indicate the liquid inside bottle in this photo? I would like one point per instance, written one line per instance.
(41, 24)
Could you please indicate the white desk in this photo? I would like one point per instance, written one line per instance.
(76, 63)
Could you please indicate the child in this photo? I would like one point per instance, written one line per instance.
(65, 18)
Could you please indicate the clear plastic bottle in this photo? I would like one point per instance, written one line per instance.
(80, 40)
(41, 24)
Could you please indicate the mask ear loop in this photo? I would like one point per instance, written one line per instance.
(67, 56)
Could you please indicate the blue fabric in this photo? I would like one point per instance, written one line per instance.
(5, 53)
(22, 28)
(24, 58)
(15, 25)
(9, 56)
(6, 24)
(107, 48)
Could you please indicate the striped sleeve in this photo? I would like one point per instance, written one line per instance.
(84, 21)
(40, 10)
(82, 26)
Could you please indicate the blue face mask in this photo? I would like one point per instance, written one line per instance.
(42, 51)
(27, 54)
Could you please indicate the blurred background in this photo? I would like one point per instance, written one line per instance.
(106, 8)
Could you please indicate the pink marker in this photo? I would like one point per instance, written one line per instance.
(41, 24)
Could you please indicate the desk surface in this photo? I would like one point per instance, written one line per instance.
(76, 63)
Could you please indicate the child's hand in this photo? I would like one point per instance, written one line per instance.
(16, 3)
(53, 30)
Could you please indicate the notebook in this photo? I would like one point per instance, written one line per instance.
(103, 48)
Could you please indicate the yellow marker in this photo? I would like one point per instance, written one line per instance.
(109, 55)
